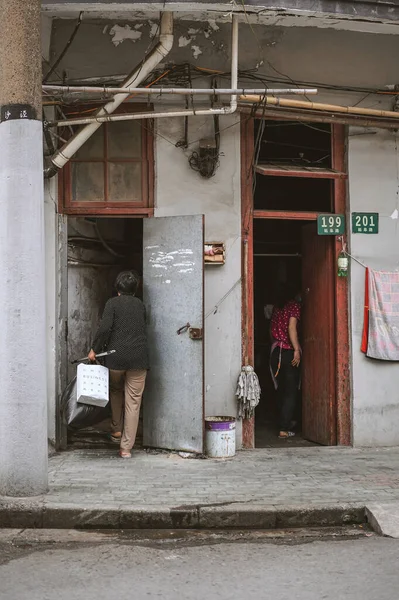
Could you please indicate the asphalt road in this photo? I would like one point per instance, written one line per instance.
(194, 566)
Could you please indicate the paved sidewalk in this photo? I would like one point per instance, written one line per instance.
(280, 479)
(312, 476)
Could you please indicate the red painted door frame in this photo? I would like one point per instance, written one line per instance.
(343, 388)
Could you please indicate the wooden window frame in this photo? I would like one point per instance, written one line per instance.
(248, 214)
(145, 208)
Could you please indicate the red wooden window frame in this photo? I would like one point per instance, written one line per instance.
(143, 208)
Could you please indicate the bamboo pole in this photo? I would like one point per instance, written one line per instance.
(301, 115)
(350, 110)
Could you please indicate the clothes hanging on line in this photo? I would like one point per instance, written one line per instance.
(380, 337)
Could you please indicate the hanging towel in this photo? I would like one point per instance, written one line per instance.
(248, 392)
(365, 336)
(382, 315)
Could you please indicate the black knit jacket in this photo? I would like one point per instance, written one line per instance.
(123, 329)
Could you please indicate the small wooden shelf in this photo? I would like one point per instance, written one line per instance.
(219, 256)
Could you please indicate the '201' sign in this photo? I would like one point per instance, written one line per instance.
(364, 222)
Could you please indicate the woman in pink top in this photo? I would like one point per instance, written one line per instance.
(285, 356)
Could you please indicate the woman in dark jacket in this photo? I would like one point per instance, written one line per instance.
(123, 329)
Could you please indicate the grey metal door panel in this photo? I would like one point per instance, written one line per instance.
(173, 264)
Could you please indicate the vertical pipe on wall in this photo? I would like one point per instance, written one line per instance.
(23, 403)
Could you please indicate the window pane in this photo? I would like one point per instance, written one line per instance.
(292, 193)
(88, 182)
(93, 147)
(124, 182)
(124, 139)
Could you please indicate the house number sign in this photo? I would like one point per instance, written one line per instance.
(331, 224)
(364, 222)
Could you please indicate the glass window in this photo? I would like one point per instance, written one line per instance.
(124, 139)
(124, 182)
(88, 182)
(110, 169)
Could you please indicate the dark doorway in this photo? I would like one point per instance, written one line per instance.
(98, 249)
(277, 259)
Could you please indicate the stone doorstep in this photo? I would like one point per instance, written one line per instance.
(384, 519)
(19, 514)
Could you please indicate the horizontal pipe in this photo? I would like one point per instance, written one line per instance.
(350, 110)
(180, 113)
(176, 91)
(302, 115)
(139, 116)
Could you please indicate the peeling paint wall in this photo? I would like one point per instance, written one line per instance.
(279, 53)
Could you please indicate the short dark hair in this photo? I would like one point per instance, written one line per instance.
(285, 293)
(127, 283)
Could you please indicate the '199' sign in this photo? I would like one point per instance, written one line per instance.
(331, 224)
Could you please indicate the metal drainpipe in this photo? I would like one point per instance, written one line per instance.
(162, 49)
(181, 113)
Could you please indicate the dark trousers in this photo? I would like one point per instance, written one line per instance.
(288, 385)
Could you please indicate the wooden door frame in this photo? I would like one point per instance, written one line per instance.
(341, 291)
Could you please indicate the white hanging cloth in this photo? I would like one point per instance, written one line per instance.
(248, 392)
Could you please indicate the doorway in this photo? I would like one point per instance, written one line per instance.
(98, 249)
(168, 252)
(291, 173)
(277, 260)
(289, 251)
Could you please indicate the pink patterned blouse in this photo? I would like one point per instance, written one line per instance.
(280, 321)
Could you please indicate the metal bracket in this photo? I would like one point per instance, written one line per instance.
(183, 329)
(195, 333)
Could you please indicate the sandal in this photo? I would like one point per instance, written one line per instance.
(114, 438)
(286, 434)
(125, 454)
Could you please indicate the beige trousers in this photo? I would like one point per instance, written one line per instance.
(126, 391)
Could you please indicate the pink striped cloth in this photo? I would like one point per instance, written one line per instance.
(383, 326)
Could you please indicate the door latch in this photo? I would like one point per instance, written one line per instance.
(195, 333)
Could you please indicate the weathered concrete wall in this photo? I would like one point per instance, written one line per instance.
(23, 403)
(355, 15)
(312, 55)
(373, 187)
(51, 257)
(182, 191)
(89, 285)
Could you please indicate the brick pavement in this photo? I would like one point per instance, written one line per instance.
(279, 477)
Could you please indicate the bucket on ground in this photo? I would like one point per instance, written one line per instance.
(220, 437)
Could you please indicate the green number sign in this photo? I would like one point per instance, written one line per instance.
(331, 224)
(364, 222)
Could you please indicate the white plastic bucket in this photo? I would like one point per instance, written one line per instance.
(220, 437)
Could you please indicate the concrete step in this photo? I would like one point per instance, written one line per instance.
(23, 513)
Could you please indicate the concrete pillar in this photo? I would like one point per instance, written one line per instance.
(23, 417)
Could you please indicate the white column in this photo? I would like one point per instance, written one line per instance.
(23, 403)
